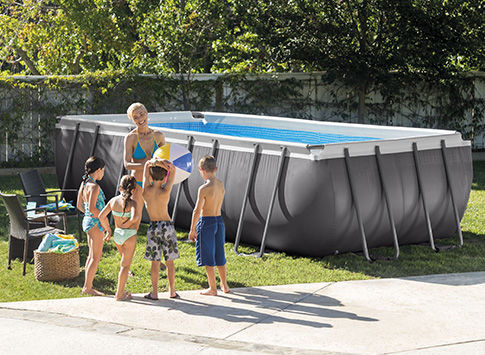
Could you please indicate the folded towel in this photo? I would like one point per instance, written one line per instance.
(58, 243)
(63, 206)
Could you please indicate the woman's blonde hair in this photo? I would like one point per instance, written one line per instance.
(134, 107)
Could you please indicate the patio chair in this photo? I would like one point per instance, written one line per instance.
(19, 227)
(35, 191)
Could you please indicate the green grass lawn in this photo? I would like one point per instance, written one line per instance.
(272, 269)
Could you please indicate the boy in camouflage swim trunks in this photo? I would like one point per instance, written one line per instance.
(161, 236)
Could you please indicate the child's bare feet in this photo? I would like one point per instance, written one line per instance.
(125, 297)
(226, 289)
(209, 292)
(92, 292)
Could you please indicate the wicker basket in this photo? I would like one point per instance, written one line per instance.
(56, 267)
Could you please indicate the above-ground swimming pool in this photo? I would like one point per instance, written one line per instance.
(303, 187)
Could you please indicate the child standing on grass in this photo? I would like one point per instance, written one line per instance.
(90, 201)
(161, 235)
(208, 231)
(127, 216)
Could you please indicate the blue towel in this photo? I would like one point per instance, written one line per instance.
(46, 243)
(63, 206)
(57, 244)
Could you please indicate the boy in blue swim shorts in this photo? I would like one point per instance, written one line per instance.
(207, 228)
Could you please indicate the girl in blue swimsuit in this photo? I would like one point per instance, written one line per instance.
(127, 215)
(90, 201)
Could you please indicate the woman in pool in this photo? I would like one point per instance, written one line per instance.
(127, 215)
(91, 201)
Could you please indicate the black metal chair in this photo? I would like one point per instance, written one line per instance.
(35, 191)
(19, 227)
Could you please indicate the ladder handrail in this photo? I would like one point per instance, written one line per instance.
(271, 203)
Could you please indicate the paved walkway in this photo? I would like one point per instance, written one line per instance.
(438, 314)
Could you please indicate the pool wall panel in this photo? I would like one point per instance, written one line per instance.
(313, 213)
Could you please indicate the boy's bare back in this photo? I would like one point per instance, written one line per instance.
(212, 196)
(156, 201)
(155, 194)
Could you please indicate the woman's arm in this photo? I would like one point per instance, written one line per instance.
(129, 149)
(159, 138)
(146, 174)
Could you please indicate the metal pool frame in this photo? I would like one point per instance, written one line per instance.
(422, 176)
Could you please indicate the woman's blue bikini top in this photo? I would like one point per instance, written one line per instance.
(100, 201)
(139, 153)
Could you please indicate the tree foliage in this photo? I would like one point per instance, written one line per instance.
(359, 39)
(367, 44)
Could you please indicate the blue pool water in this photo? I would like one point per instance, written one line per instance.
(285, 135)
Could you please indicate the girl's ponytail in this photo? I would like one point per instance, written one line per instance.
(128, 184)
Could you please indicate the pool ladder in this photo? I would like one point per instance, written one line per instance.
(249, 186)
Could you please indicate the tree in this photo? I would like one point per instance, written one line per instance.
(363, 42)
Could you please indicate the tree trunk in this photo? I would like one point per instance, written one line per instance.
(28, 62)
(185, 91)
(362, 110)
(219, 88)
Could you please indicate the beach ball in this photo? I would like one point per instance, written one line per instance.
(179, 156)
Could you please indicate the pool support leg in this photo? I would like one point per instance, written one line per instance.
(190, 145)
(95, 141)
(388, 203)
(423, 199)
(271, 203)
(249, 185)
(450, 188)
(69, 159)
(353, 193)
(215, 148)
